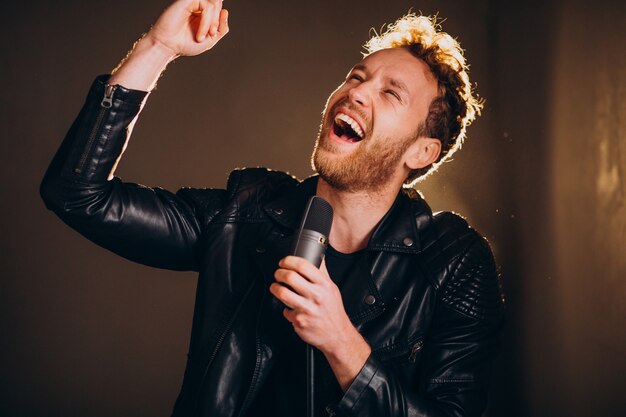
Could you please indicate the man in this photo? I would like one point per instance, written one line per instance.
(405, 312)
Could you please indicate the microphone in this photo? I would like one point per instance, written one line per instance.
(310, 242)
(311, 239)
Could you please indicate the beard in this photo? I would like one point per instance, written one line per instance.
(370, 167)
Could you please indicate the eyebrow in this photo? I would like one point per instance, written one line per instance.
(392, 81)
(399, 85)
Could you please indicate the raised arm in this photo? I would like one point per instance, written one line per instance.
(147, 225)
(186, 28)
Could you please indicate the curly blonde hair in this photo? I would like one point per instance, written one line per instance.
(456, 106)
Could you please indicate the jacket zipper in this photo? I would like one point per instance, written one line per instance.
(415, 350)
(105, 104)
(220, 340)
(257, 365)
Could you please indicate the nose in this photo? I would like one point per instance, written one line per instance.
(360, 94)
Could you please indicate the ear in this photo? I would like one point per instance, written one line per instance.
(423, 152)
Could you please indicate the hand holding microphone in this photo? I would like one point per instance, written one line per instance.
(315, 305)
(309, 243)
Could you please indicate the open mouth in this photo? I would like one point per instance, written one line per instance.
(347, 128)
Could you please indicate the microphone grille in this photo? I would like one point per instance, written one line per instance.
(319, 216)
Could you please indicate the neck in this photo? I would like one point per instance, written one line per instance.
(355, 214)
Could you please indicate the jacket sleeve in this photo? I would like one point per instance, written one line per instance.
(147, 225)
(456, 358)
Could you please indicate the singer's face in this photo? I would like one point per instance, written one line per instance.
(371, 119)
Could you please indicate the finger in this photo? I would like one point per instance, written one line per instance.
(206, 19)
(289, 314)
(303, 267)
(222, 30)
(294, 281)
(300, 321)
(215, 20)
(297, 319)
(287, 296)
(223, 26)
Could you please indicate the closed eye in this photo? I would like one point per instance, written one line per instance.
(394, 94)
(356, 77)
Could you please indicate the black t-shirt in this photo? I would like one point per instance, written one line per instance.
(284, 392)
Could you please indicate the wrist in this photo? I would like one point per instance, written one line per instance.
(143, 65)
(347, 358)
(157, 48)
(350, 347)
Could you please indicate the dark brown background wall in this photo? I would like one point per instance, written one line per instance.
(85, 333)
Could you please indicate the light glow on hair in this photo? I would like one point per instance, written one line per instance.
(457, 106)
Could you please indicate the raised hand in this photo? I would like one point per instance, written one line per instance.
(186, 27)
(190, 27)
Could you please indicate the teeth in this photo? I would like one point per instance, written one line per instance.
(353, 124)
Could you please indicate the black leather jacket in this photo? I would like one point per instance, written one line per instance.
(426, 295)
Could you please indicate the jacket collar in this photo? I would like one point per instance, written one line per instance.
(288, 208)
(398, 230)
